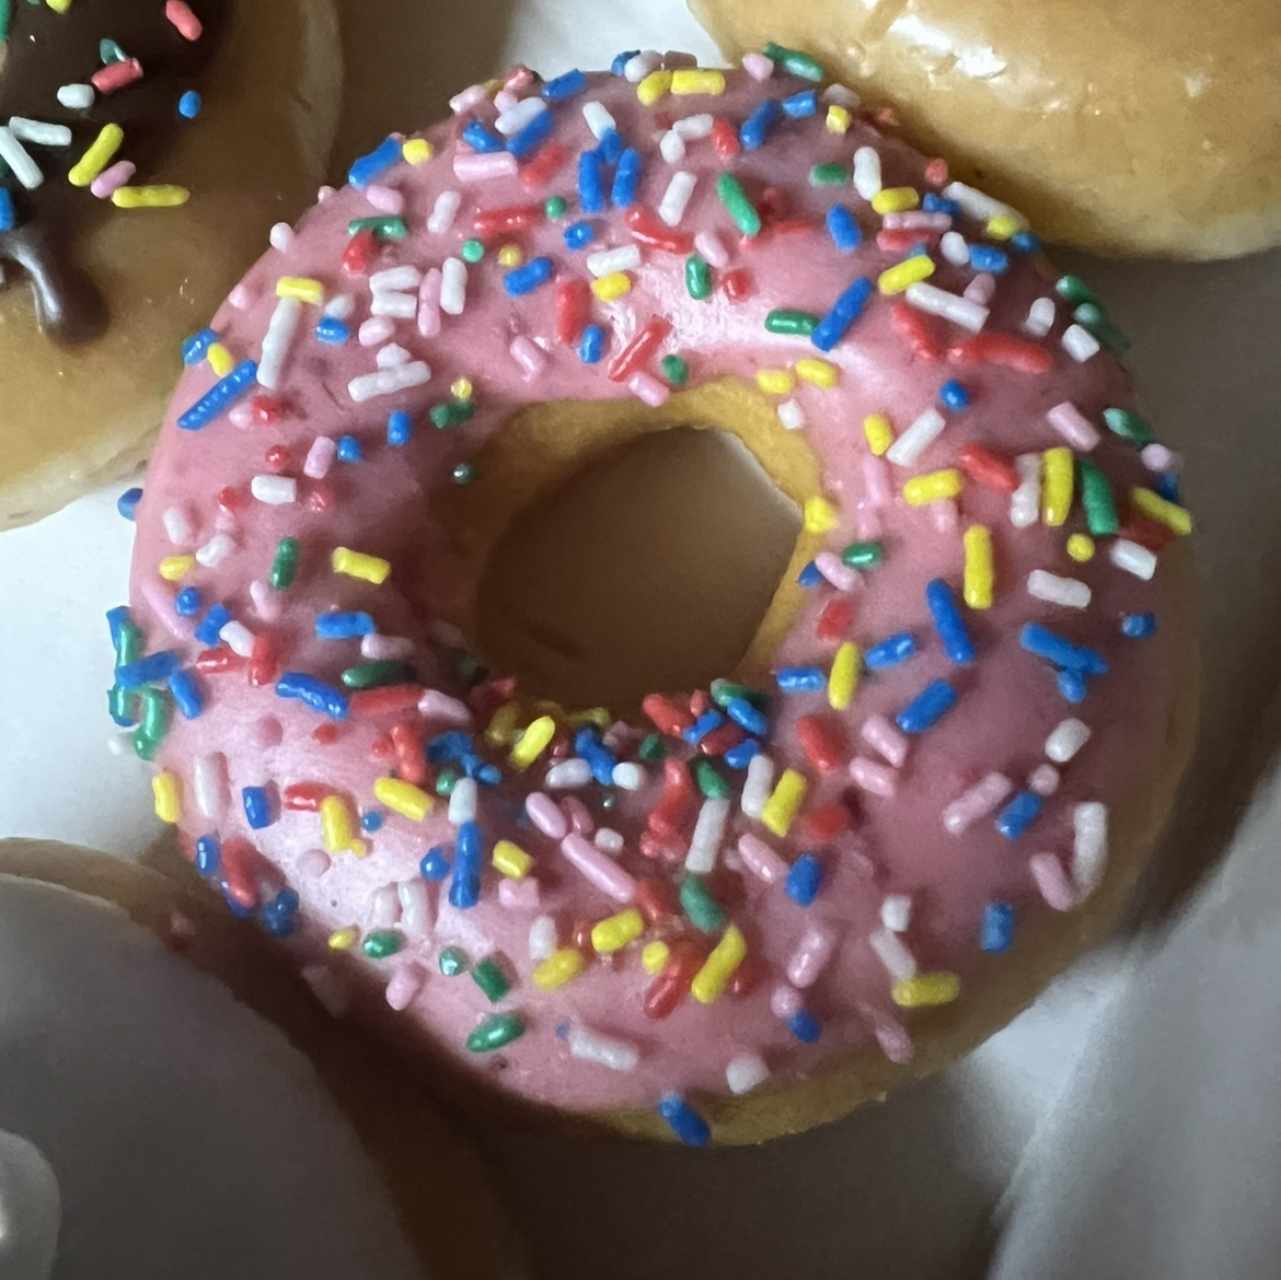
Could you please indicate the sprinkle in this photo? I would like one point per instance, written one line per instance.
(867, 172)
(844, 312)
(536, 272)
(897, 278)
(709, 831)
(190, 104)
(403, 798)
(1128, 425)
(685, 1122)
(495, 1031)
(710, 982)
(1058, 470)
(680, 189)
(927, 708)
(558, 967)
(1070, 593)
(758, 786)
(912, 443)
(803, 882)
(1132, 558)
(1079, 343)
(357, 564)
(1073, 426)
(934, 301)
(76, 97)
(95, 159)
(980, 800)
(784, 802)
(166, 792)
(1090, 846)
(925, 990)
(1155, 507)
(980, 206)
(818, 373)
(603, 1050)
(653, 87)
(736, 203)
(484, 168)
(933, 486)
(996, 933)
(116, 75)
(598, 868)
(1137, 626)
(388, 381)
(761, 860)
(368, 167)
(948, 622)
(745, 1072)
(790, 415)
(1061, 652)
(416, 151)
(1025, 501)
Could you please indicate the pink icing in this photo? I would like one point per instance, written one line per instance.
(382, 505)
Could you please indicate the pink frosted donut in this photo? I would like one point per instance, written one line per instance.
(749, 906)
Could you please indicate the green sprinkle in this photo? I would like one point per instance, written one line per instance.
(452, 961)
(155, 714)
(698, 278)
(122, 704)
(128, 644)
(4, 19)
(554, 207)
(793, 323)
(1073, 289)
(1097, 499)
(445, 780)
(144, 747)
(794, 62)
(463, 473)
(451, 413)
(829, 175)
(710, 782)
(1095, 319)
(382, 943)
(490, 978)
(384, 228)
(738, 206)
(472, 251)
(1129, 426)
(284, 564)
(725, 691)
(369, 675)
(675, 370)
(703, 911)
(863, 555)
(652, 749)
(495, 1031)
(109, 51)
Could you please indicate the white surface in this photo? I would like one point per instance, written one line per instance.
(907, 1187)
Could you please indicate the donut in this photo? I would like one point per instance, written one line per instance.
(119, 984)
(1121, 129)
(732, 910)
(134, 183)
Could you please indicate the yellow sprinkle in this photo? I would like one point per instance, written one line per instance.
(404, 798)
(166, 791)
(940, 987)
(654, 956)
(163, 195)
(711, 980)
(1080, 546)
(533, 742)
(820, 515)
(462, 389)
(356, 564)
(896, 279)
(775, 382)
(784, 802)
(819, 373)
(511, 860)
(933, 486)
(1058, 470)
(980, 571)
(697, 80)
(417, 150)
(97, 156)
(601, 717)
(895, 199)
(358, 848)
(59, 6)
(838, 118)
(502, 726)
(221, 361)
(1003, 225)
(615, 932)
(344, 939)
(1162, 510)
(337, 825)
(878, 432)
(510, 255)
(612, 286)
(174, 568)
(304, 288)
(842, 680)
(656, 85)
(558, 968)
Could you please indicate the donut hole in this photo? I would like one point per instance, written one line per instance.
(649, 567)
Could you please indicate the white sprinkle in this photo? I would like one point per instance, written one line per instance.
(712, 248)
(791, 415)
(529, 355)
(609, 840)
(1025, 501)
(40, 132)
(340, 306)
(598, 118)
(238, 638)
(444, 211)
(280, 237)
(375, 330)
(320, 457)
(893, 953)
(565, 775)
(276, 342)
(400, 306)
(380, 648)
(267, 602)
(76, 97)
(1040, 317)
(396, 279)
(979, 205)
(391, 356)
(671, 208)
(965, 312)
(415, 911)
(954, 249)
(628, 775)
(605, 262)
(467, 98)
(210, 783)
(912, 442)
(1089, 845)
(980, 289)
(709, 831)
(605, 1051)
(1043, 780)
(1133, 558)
(323, 193)
(745, 1072)
(638, 67)
(177, 522)
(1079, 343)
(1066, 739)
(453, 286)
(842, 95)
(462, 802)
(216, 550)
(1070, 593)
(275, 491)
(19, 160)
(691, 128)
(1073, 426)
(896, 912)
(384, 907)
(542, 938)
(1156, 457)
(517, 117)
(757, 785)
(867, 172)
(388, 381)
(671, 146)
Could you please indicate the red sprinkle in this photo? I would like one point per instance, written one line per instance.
(699, 701)
(901, 239)
(824, 824)
(238, 861)
(360, 253)
(835, 620)
(266, 411)
(115, 75)
(725, 139)
(539, 171)
(325, 735)
(936, 171)
(380, 749)
(230, 498)
(922, 332)
(647, 227)
(821, 740)
(179, 13)
(737, 284)
(573, 307)
(277, 458)
(656, 900)
(647, 341)
(668, 850)
(512, 217)
(676, 802)
(321, 496)
(719, 741)
(669, 988)
(665, 715)
(262, 662)
(993, 470)
(218, 661)
(391, 699)
(407, 739)
(1004, 349)
(305, 796)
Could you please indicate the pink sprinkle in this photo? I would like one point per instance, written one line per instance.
(323, 193)
(811, 956)
(179, 13)
(159, 596)
(784, 1001)
(873, 777)
(385, 199)
(545, 814)
(241, 297)
(712, 248)
(1052, 881)
(761, 860)
(519, 895)
(109, 179)
(438, 706)
(375, 330)
(470, 97)
(644, 386)
(484, 168)
(380, 648)
(882, 736)
(320, 457)
(519, 79)
(116, 75)
(758, 66)
(980, 289)
(840, 575)
(936, 171)
(1073, 426)
(598, 868)
(917, 220)
(891, 1035)
(579, 815)
(876, 480)
(1156, 457)
(313, 864)
(980, 800)
(945, 515)
(267, 603)
(405, 985)
(1044, 780)
(504, 100)
(429, 303)
(528, 355)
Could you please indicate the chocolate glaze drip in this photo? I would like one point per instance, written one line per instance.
(46, 50)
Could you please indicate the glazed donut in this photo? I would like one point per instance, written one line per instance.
(744, 904)
(207, 1088)
(134, 183)
(1117, 128)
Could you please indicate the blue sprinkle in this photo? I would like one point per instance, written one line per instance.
(344, 626)
(449, 746)
(739, 756)
(591, 346)
(435, 863)
(805, 1026)
(464, 887)
(152, 669)
(208, 854)
(1025, 242)
(578, 234)
(954, 394)
(591, 182)
(756, 128)
(931, 202)
(927, 708)
(350, 450)
(845, 310)
(949, 622)
(482, 139)
(118, 619)
(751, 718)
(996, 934)
(709, 720)
(8, 215)
(532, 136)
(800, 679)
(257, 807)
(619, 65)
(195, 348)
(800, 106)
(1167, 485)
(987, 257)
(1019, 814)
(400, 428)
(610, 146)
(566, 86)
(371, 821)
(685, 1122)
(1138, 625)
(1060, 651)
(278, 925)
(189, 105)
(843, 227)
(1072, 685)
(319, 696)
(890, 651)
(332, 330)
(626, 179)
(810, 576)
(220, 397)
(804, 879)
(187, 603)
(587, 744)
(213, 622)
(187, 694)
(525, 279)
(475, 766)
(368, 167)
(127, 502)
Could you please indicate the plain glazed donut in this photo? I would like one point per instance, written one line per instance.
(755, 905)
